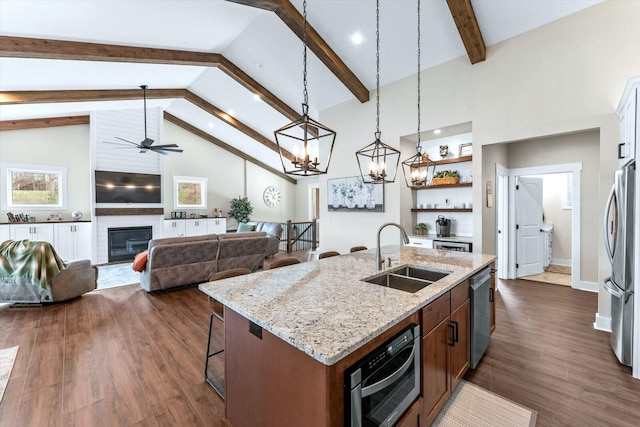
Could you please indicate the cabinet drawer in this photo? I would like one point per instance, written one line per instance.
(435, 312)
(459, 294)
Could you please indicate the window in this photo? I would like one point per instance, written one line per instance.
(34, 186)
(189, 192)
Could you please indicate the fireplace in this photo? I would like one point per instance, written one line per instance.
(126, 242)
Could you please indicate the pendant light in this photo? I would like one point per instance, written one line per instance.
(416, 168)
(305, 135)
(378, 162)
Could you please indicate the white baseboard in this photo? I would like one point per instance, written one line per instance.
(586, 286)
(559, 261)
(602, 323)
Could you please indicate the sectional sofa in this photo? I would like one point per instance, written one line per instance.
(180, 261)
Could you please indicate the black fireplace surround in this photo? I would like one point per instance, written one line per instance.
(126, 242)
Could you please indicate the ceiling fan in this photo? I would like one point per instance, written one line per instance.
(147, 143)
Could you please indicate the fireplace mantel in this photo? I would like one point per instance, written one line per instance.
(128, 211)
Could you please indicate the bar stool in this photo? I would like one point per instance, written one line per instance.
(217, 311)
(284, 262)
(328, 254)
(358, 249)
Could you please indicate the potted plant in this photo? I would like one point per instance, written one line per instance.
(446, 177)
(240, 209)
(421, 228)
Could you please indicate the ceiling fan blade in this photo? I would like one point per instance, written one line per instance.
(174, 150)
(160, 152)
(125, 140)
(166, 146)
(115, 143)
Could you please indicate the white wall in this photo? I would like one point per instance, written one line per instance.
(58, 146)
(563, 77)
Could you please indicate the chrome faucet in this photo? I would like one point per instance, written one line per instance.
(405, 239)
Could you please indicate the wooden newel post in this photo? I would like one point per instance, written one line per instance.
(289, 236)
(314, 234)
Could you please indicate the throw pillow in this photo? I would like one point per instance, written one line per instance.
(140, 261)
(244, 227)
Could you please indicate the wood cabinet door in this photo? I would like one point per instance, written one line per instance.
(460, 352)
(492, 297)
(435, 369)
(412, 418)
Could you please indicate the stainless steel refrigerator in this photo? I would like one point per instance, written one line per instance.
(619, 224)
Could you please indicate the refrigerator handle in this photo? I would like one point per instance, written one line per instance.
(606, 228)
(609, 286)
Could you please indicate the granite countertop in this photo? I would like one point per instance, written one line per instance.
(324, 308)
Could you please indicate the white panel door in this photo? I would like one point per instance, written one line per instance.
(529, 236)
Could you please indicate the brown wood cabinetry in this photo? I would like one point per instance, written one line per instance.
(492, 296)
(445, 348)
(413, 416)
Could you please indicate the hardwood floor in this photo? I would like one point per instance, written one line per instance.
(121, 357)
(118, 357)
(546, 355)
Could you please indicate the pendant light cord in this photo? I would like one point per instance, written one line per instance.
(418, 142)
(144, 91)
(304, 54)
(377, 67)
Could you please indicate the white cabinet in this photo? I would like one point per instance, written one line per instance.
(628, 113)
(39, 232)
(174, 228)
(216, 226)
(196, 227)
(73, 240)
(420, 242)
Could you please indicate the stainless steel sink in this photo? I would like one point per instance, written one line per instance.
(407, 278)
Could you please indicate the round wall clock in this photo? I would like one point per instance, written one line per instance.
(271, 196)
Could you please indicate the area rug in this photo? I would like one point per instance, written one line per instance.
(473, 406)
(7, 357)
(111, 275)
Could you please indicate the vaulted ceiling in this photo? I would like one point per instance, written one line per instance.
(231, 71)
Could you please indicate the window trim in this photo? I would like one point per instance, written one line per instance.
(177, 180)
(5, 175)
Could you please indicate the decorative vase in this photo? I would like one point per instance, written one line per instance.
(350, 202)
(371, 203)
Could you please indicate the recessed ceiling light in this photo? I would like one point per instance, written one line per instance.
(437, 131)
(256, 97)
(210, 124)
(356, 38)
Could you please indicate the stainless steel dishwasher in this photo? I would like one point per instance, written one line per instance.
(480, 287)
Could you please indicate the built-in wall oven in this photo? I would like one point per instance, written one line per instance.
(382, 385)
(452, 246)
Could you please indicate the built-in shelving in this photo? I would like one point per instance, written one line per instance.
(441, 210)
(431, 187)
(445, 161)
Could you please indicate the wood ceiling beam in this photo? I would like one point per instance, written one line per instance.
(37, 97)
(194, 130)
(22, 47)
(43, 123)
(54, 96)
(294, 20)
(465, 19)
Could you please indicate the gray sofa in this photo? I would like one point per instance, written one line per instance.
(180, 261)
(59, 281)
(274, 230)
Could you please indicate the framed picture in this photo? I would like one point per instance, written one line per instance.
(353, 195)
(465, 150)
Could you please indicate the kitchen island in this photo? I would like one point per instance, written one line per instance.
(315, 320)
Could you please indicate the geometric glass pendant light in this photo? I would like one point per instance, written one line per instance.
(311, 142)
(378, 162)
(418, 170)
